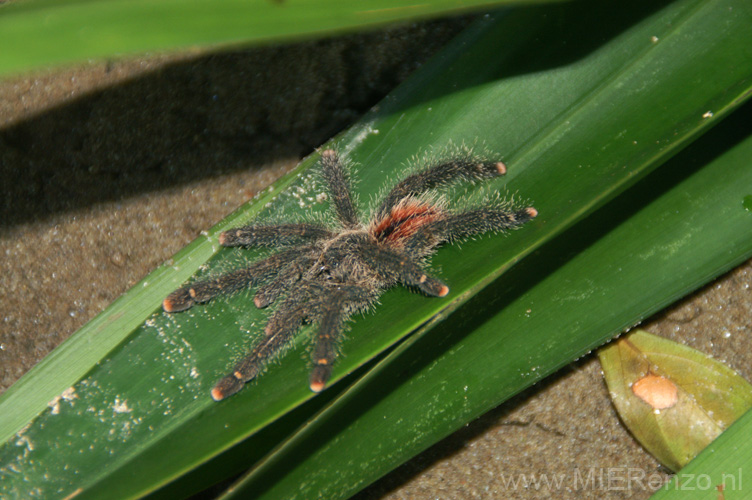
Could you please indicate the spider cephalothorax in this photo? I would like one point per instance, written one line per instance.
(324, 274)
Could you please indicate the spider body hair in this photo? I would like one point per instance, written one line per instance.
(326, 274)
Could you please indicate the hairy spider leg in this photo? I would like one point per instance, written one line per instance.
(271, 291)
(273, 235)
(339, 189)
(203, 291)
(280, 329)
(403, 268)
(443, 174)
(464, 224)
(318, 304)
(330, 326)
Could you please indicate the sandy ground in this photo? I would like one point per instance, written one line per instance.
(109, 169)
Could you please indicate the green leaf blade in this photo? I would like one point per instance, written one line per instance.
(540, 315)
(42, 33)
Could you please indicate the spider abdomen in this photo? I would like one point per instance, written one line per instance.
(404, 220)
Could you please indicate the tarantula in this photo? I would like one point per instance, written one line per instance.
(326, 274)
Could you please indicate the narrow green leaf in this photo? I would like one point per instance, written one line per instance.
(570, 296)
(673, 399)
(42, 33)
(81, 352)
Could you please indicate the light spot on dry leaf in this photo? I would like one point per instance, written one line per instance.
(658, 392)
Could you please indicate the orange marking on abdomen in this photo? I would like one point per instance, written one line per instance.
(404, 220)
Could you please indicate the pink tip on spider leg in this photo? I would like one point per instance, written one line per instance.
(217, 395)
(179, 300)
(443, 291)
(228, 386)
(320, 375)
(531, 212)
(229, 238)
(501, 168)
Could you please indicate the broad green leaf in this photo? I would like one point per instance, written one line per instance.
(673, 399)
(566, 95)
(42, 33)
(631, 258)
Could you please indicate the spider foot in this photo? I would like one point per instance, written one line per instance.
(411, 274)
(319, 377)
(179, 300)
(226, 387)
(432, 286)
(232, 383)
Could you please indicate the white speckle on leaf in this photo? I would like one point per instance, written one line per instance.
(69, 394)
(55, 405)
(121, 406)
